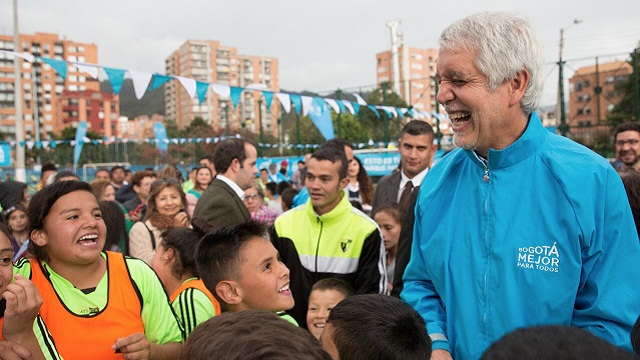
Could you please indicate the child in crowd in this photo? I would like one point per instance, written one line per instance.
(374, 326)
(175, 264)
(325, 295)
(240, 266)
(251, 334)
(22, 331)
(96, 305)
(18, 225)
(389, 219)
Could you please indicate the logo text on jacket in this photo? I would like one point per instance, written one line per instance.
(543, 258)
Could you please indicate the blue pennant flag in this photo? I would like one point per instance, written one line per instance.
(401, 112)
(159, 80)
(321, 117)
(201, 90)
(116, 77)
(161, 134)
(375, 111)
(59, 66)
(297, 102)
(268, 98)
(356, 108)
(341, 106)
(389, 114)
(81, 132)
(235, 95)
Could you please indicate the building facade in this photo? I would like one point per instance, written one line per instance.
(417, 68)
(43, 107)
(592, 96)
(210, 62)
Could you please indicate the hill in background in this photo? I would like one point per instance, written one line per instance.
(151, 103)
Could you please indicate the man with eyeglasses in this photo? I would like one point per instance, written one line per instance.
(627, 144)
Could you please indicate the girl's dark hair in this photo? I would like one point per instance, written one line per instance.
(183, 241)
(117, 236)
(5, 230)
(365, 183)
(41, 204)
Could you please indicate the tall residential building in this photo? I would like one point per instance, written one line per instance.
(210, 62)
(417, 69)
(592, 96)
(48, 108)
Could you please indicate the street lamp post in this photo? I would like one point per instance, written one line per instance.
(260, 123)
(226, 115)
(564, 128)
(20, 172)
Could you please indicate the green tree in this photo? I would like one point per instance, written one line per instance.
(624, 109)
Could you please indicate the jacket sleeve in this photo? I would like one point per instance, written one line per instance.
(420, 293)
(372, 270)
(140, 243)
(608, 300)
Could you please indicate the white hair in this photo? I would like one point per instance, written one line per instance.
(505, 44)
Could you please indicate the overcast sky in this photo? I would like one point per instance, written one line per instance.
(321, 45)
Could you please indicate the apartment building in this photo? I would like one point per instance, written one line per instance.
(592, 96)
(43, 108)
(417, 68)
(209, 61)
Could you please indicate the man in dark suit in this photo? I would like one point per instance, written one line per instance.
(221, 204)
(416, 150)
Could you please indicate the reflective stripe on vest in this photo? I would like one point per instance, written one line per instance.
(91, 337)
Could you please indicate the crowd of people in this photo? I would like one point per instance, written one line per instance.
(517, 244)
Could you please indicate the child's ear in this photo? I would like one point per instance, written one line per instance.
(38, 238)
(229, 292)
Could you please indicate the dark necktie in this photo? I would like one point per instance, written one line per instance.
(405, 198)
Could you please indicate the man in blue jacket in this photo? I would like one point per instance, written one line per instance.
(518, 227)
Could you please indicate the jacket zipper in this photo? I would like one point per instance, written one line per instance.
(318, 242)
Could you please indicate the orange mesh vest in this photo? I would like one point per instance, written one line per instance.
(91, 336)
(1, 320)
(197, 284)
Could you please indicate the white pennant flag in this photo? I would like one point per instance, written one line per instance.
(90, 69)
(189, 84)
(360, 99)
(285, 100)
(30, 144)
(222, 90)
(334, 105)
(348, 105)
(140, 82)
(24, 55)
(390, 109)
(256, 86)
(306, 104)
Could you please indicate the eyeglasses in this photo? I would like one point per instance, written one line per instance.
(251, 197)
(631, 142)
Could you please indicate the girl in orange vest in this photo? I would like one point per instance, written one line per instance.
(97, 305)
(174, 262)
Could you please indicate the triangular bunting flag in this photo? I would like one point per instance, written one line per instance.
(201, 90)
(285, 100)
(23, 55)
(90, 69)
(58, 65)
(375, 111)
(334, 105)
(268, 98)
(306, 104)
(140, 82)
(189, 84)
(159, 80)
(235, 95)
(359, 99)
(348, 105)
(356, 108)
(222, 90)
(297, 102)
(116, 78)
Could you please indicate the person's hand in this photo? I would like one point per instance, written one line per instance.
(439, 354)
(181, 219)
(135, 216)
(12, 351)
(135, 346)
(23, 304)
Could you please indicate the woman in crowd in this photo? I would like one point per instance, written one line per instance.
(175, 264)
(18, 224)
(166, 208)
(360, 187)
(117, 235)
(202, 180)
(254, 201)
(77, 281)
(104, 191)
(389, 218)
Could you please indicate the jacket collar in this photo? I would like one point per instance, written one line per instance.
(342, 208)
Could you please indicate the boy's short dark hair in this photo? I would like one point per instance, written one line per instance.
(336, 284)
(218, 252)
(554, 342)
(287, 197)
(117, 167)
(251, 334)
(375, 326)
(271, 186)
(337, 144)
(333, 155)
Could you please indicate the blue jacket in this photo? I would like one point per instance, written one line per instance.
(541, 235)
